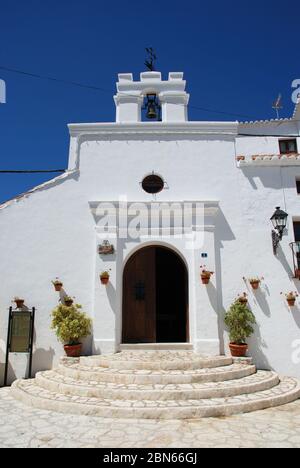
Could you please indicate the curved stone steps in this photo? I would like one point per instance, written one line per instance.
(55, 382)
(144, 377)
(30, 393)
(156, 360)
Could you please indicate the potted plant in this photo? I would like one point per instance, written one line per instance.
(243, 298)
(19, 302)
(240, 320)
(205, 274)
(255, 282)
(291, 298)
(104, 277)
(69, 301)
(57, 285)
(71, 325)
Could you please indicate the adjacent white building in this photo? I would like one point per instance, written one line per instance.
(222, 181)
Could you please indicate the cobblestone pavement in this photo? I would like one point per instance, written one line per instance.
(21, 426)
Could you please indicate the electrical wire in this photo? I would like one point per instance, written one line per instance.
(98, 88)
(32, 172)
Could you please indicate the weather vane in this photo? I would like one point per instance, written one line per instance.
(150, 61)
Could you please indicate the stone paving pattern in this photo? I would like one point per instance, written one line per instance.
(22, 426)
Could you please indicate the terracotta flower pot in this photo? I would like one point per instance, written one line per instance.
(205, 279)
(58, 287)
(19, 303)
(291, 302)
(255, 284)
(73, 350)
(238, 350)
(69, 302)
(104, 279)
(243, 300)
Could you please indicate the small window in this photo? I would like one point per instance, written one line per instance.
(288, 146)
(297, 231)
(298, 186)
(153, 184)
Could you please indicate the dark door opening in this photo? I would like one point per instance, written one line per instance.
(155, 297)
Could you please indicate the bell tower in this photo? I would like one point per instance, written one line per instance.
(164, 101)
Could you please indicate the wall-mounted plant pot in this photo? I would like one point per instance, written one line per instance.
(255, 284)
(104, 280)
(291, 302)
(238, 350)
(69, 302)
(205, 279)
(243, 301)
(19, 303)
(58, 287)
(73, 350)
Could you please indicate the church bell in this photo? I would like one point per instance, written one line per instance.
(152, 107)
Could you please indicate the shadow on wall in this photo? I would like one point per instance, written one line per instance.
(223, 233)
(42, 359)
(11, 376)
(220, 311)
(269, 177)
(261, 300)
(284, 262)
(295, 311)
(257, 345)
(112, 297)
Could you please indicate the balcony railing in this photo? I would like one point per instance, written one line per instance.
(295, 246)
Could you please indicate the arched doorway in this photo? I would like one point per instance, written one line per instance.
(155, 297)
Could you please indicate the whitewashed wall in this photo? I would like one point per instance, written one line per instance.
(52, 233)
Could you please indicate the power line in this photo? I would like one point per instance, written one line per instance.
(97, 88)
(33, 172)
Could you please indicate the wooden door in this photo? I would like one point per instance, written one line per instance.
(139, 298)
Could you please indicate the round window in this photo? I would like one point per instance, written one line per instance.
(153, 184)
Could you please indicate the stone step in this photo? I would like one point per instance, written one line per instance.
(30, 393)
(55, 382)
(156, 360)
(157, 346)
(147, 377)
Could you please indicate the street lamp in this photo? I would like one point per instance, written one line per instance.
(279, 221)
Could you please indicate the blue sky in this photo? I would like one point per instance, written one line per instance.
(237, 56)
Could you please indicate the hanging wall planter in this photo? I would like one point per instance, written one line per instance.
(243, 299)
(57, 285)
(104, 278)
(291, 298)
(205, 275)
(19, 302)
(255, 284)
(254, 281)
(69, 301)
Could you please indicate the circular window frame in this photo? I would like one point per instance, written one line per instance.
(149, 186)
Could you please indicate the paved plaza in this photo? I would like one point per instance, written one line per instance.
(22, 426)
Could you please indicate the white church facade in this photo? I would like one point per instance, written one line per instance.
(168, 197)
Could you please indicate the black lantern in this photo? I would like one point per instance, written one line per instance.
(279, 221)
(152, 107)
